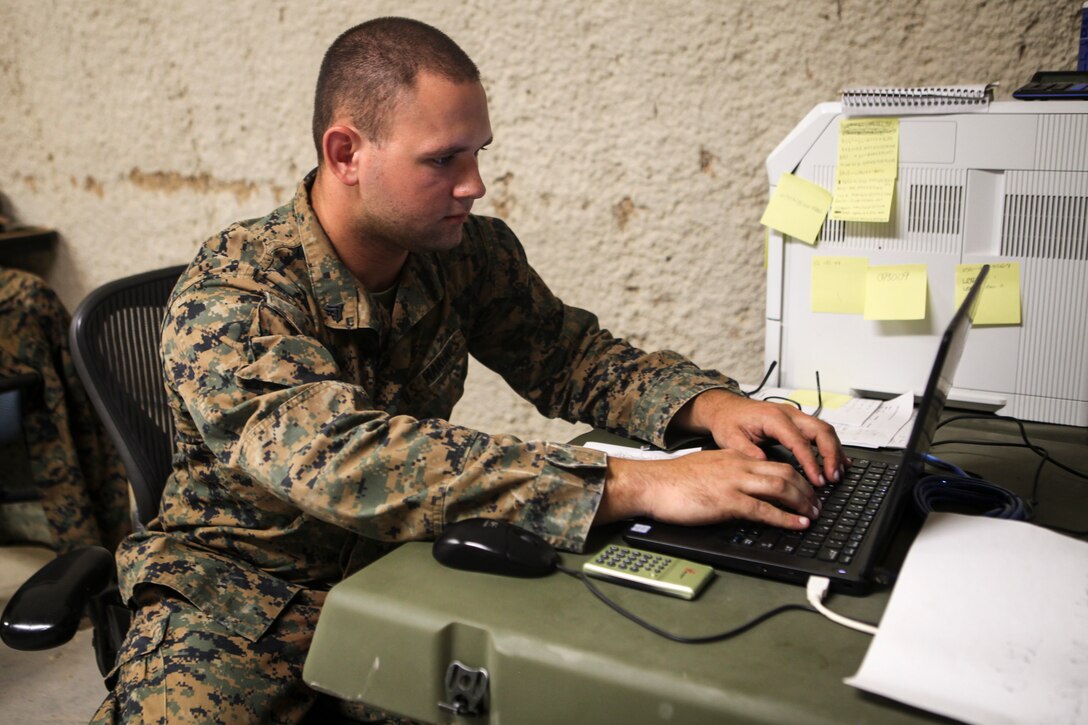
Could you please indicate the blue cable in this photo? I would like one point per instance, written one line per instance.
(964, 493)
(932, 459)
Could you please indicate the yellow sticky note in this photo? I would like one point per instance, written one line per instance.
(863, 199)
(812, 398)
(895, 292)
(838, 284)
(868, 147)
(797, 208)
(999, 303)
(868, 164)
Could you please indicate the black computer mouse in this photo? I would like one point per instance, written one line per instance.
(495, 547)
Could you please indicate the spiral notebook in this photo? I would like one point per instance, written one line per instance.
(874, 101)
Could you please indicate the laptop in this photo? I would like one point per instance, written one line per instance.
(859, 516)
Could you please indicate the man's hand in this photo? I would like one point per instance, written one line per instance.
(707, 487)
(737, 481)
(741, 424)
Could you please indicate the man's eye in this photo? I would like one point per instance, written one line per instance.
(442, 160)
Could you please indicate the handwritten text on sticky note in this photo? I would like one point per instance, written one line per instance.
(868, 147)
(863, 200)
(797, 208)
(895, 292)
(999, 303)
(838, 284)
(868, 164)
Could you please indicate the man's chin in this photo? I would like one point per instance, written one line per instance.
(443, 239)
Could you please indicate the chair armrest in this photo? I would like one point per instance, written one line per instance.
(45, 611)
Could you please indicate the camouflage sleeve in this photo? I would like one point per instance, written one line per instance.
(558, 357)
(268, 400)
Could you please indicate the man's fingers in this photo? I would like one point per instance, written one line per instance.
(766, 513)
(827, 443)
(743, 444)
(791, 437)
(779, 484)
(797, 432)
(776, 484)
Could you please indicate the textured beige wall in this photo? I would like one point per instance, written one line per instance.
(629, 145)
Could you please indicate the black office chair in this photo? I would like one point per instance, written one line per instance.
(115, 336)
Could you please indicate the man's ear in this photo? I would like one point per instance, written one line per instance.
(341, 146)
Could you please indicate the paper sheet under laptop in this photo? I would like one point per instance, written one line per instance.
(988, 623)
(861, 422)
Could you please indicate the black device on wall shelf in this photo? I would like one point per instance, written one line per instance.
(1047, 85)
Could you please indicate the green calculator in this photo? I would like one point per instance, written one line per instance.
(653, 572)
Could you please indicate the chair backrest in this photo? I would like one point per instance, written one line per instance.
(115, 338)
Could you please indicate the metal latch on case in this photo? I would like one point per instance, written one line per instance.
(466, 690)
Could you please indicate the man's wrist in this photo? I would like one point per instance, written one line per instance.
(621, 498)
(699, 413)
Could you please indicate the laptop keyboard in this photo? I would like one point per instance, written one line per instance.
(847, 510)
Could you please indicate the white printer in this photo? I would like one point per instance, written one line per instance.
(1007, 183)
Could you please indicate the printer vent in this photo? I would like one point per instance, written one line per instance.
(834, 231)
(927, 214)
(935, 209)
(931, 209)
(1045, 227)
(1045, 215)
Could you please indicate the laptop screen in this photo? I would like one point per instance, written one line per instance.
(940, 377)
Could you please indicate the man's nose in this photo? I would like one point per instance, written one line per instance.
(470, 185)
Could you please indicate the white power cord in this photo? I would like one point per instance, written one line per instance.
(817, 589)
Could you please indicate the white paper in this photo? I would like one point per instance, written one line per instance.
(988, 623)
(902, 437)
(638, 454)
(880, 428)
(855, 412)
(862, 422)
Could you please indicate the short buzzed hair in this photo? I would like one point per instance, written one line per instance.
(367, 68)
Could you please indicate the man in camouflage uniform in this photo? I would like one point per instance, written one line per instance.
(74, 466)
(313, 358)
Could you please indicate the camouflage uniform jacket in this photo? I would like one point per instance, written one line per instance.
(313, 424)
(75, 467)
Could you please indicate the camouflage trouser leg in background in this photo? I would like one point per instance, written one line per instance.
(179, 665)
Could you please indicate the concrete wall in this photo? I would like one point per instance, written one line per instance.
(629, 145)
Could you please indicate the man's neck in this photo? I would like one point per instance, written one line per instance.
(376, 266)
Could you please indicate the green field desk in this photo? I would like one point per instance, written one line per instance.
(553, 653)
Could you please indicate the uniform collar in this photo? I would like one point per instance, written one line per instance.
(342, 299)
